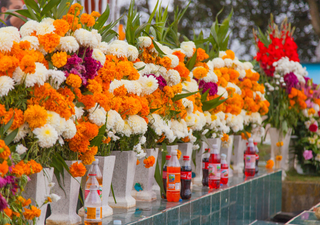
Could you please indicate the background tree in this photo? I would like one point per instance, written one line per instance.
(249, 14)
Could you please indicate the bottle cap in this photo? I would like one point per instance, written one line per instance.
(186, 157)
(215, 149)
(117, 222)
(92, 175)
(168, 157)
(174, 152)
(250, 142)
(95, 162)
(223, 156)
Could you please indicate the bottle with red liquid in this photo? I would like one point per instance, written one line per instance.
(224, 169)
(205, 164)
(186, 175)
(173, 178)
(250, 159)
(164, 175)
(257, 156)
(214, 168)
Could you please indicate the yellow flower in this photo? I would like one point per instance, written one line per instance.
(59, 59)
(279, 157)
(270, 164)
(95, 14)
(225, 137)
(280, 143)
(178, 153)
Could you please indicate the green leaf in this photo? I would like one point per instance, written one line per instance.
(151, 17)
(50, 4)
(8, 125)
(97, 141)
(113, 195)
(192, 61)
(205, 95)
(80, 104)
(11, 12)
(102, 19)
(207, 105)
(157, 48)
(11, 136)
(181, 96)
(154, 110)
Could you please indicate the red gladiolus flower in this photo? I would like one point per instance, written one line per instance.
(313, 128)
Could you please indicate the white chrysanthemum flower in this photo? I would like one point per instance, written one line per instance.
(60, 127)
(232, 85)
(127, 131)
(68, 44)
(228, 62)
(179, 128)
(247, 66)
(103, 46)
(70, 129)
(222, 53)
(34, 42)
(138, 124)
(190, 119)
(132, 53)
(140, 66)
(47, 20)
(54, 197)
(222, 91)
(165, 49)
(12, 32)
(56, 77)
(142, 140)
(148, 84)
(6, 42)
(97, 115)
(132, 86)
(47, 136)
(78, 113)
(98, 55)
(191, 85)
(114, 121)
(18, 75)
(6, 84)
(45, 28)
(188, 105)
(85, 38)
(188, 48)
(20, 149)
(28, 28)
(200, 121)
(118, 50)
(174, 60)
(242, 73)
(96, 36)
(173, 77)
(53, 118)
(211, 77)
(144, 42)
(38, 77)
(218, 63)
(119, 42)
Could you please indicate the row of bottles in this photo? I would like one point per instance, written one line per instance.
(176, 180)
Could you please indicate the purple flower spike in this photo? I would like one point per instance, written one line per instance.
(3, 203)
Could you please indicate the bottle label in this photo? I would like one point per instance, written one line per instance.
(257, 157)
(214, 171)
(225, 173)
(93, 213)
(173, 181)
(250, 161)
(87, 191)
(186, 175)
(205, 165)
(164, 174)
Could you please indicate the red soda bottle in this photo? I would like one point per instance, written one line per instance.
(250, 159)
(186, 175)
(173, 178)
(257, 156)
(224, 169)
(164, 175)
(205, 164)
(214, 168)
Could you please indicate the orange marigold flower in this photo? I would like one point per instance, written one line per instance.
(78, 169)
(26, 202)
(35, 116)
(270, 164)
(75, 9)
(180, 55)
(138, 162)
(229, 54)
(279, 157)
(4, 168)
(61, 27)
(95, 14)
(8, 211)
(122, 34)
(178, 153)
(16, 214)
(17, 116)
(72, 21)
(7, 65)
(4, 150)
(245, 135)
(32, 167)
(149, 162)
(29, 214)
(186, 139)
(120, 91)
(87, 19)
(311, 111)
(225, 137)
(49, 41)
(59, 59)
(74, 80)
(24, 44)
(88, 157)
(94, 87)
(106, 140)
(27, 64)
(201, 54)
(168, 91)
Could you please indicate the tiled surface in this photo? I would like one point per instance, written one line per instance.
(306, 217)
(242, 201)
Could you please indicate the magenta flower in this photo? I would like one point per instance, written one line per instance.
(307, 154)
(291, 81)
(3, 182)
(161, 81)
(3, 203)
